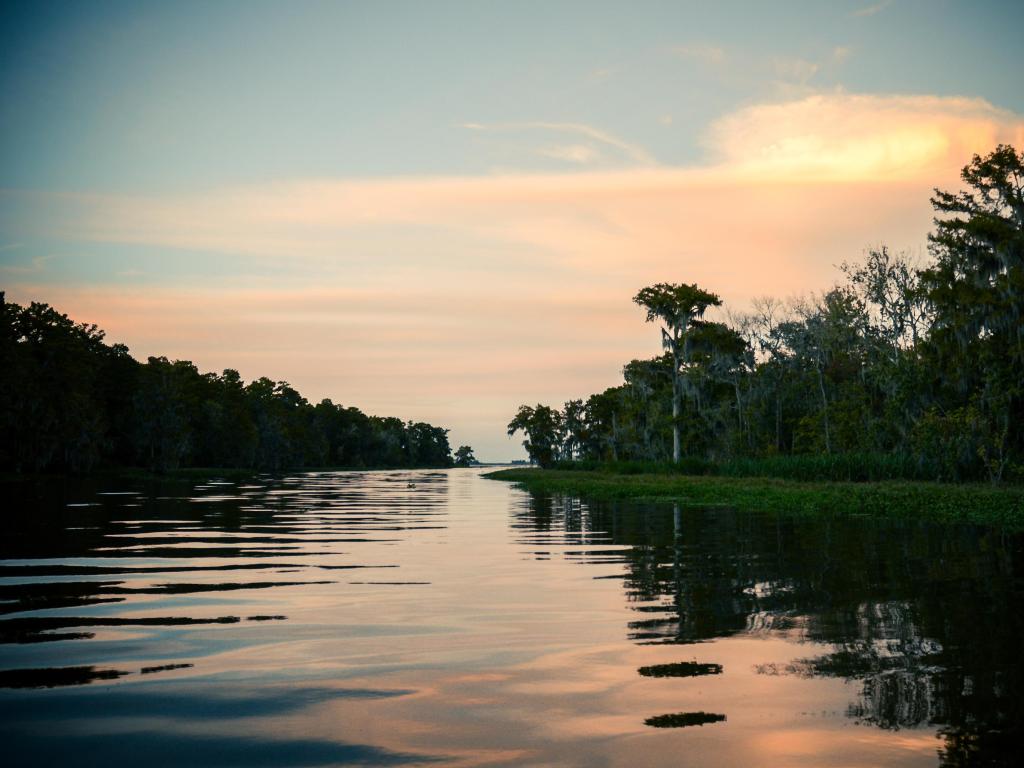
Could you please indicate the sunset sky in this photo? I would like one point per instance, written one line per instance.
(441, 210)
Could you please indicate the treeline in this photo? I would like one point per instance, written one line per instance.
(71, 402)
(917, 367)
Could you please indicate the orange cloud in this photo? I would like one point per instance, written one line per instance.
(845, 137)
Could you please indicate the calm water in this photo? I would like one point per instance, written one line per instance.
(437, 617)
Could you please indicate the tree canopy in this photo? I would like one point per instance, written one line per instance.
(71, 402)
(464, 457)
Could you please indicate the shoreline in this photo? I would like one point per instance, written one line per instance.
(189, 473)
(973, 503)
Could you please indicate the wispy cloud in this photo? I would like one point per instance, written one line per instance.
(796, 77)
(841, 53)
(703, 52)
(33, 267)
(791, 68)
(627, 150)
(871, 10)
(572, 153)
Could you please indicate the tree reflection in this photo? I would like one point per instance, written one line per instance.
(926, 618)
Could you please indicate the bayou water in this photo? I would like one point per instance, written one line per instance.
(387, 618)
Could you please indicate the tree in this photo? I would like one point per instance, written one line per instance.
(889, 284)
(428, 445)
(826, 339)
(977, 283)
(677, 306)
(573, 428)
(647, 390)
(543, 429)
(602, 412)
(163, 433)
(464, 457)
(69, 401)
(976, 289)
(50, 366)
(722, 354)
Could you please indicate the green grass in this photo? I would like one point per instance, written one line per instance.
(934, 501)
(853, 467)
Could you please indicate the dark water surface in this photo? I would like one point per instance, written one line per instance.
(437, 617)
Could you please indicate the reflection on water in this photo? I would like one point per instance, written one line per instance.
(680, 669)
(420, 617)
(925, 619)
(683, 719)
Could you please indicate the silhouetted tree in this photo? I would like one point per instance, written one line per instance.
(464, 457)
(543, 429)
(69, 402)
(676, 306)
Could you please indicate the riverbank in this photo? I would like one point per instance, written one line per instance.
(934, 501)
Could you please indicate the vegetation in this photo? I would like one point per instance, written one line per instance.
(71, 402)
(464, 457)
(899, 370)
(980, 503)
(680, 308)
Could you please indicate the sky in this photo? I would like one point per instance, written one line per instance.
(441, 210)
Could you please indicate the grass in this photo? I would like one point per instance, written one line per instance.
(853, 467)
(890, 498)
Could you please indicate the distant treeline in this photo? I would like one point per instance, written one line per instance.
(916, 367)
(71, 402)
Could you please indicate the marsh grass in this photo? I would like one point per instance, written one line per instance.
(850, 467)
(986, 504)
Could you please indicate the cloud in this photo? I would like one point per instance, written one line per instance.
(706, 54)
(628, 151)
(573, 153)
(795, 69)
(844, 137)
(871, 10)
(796, 77)
(36, 265)
(841, 53)
(484, 292)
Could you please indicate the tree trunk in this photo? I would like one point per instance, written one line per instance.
(739, 405)
(615, 438)
(676, 447)
(824, 411)
(778, 421)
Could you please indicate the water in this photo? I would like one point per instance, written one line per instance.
(437, 617)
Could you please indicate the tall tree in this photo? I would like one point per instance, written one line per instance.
(676, 306)
(976, 289)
